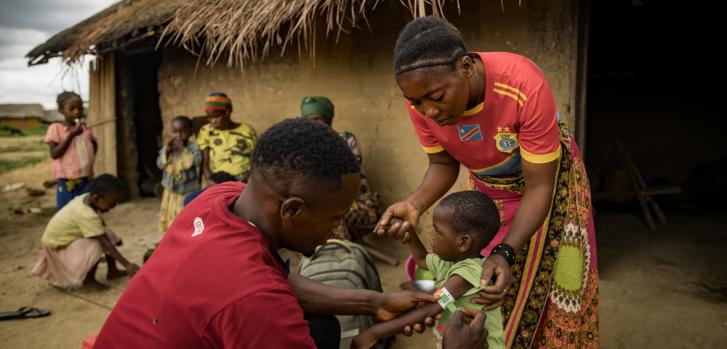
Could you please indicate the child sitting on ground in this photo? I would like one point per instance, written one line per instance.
(76, 238)
(226, 145)
(464, 223)
(72, 148)
(180, 162)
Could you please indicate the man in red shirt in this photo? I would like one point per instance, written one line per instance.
(216, 280)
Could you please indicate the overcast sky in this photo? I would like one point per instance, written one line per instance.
(25, 24)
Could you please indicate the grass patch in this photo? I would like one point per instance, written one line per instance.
(34, 131)
(11, 164)
(24, 148)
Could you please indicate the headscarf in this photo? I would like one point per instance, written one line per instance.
(316, 105)
(217, 101)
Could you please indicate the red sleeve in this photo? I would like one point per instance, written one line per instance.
(266, 319)
(539, 133)
(52, 135)
(429, 143)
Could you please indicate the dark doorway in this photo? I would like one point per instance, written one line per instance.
(140, 124)
(655, 83)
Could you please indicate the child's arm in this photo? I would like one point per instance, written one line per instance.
(456, 285)
(94, 142)
(162, 159)
(58, 149)
(368, 338)
(109, 249)
(417, 249)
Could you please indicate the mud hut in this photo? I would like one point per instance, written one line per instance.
(155, 60)
(25, 116)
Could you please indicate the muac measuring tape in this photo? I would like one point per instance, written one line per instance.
(446, 300)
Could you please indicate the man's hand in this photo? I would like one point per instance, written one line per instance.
(466, 330)
(492, 296)
(394, 303)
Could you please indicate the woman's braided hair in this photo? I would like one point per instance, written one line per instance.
(426, 42)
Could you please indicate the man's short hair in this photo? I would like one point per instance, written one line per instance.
(302, 149)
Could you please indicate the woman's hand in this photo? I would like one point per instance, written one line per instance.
(492, 296)
(397, 220)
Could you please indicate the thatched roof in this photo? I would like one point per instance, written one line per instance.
(238, 31)
(113, 27)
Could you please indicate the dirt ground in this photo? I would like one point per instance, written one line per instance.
(658, 290)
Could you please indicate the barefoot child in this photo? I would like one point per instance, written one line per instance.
(72, 148)
(464, 223)
(180, 162)
(226, 145)
(76, 238)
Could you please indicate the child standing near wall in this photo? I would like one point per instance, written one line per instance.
(72, 148)
(464, 223)
(180, 162)
(226, 145)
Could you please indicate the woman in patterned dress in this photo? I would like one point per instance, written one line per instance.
(494, 114)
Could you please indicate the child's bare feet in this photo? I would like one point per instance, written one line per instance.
(95, 285)
(115, 273)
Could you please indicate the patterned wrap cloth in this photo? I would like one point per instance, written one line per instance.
(553, 302)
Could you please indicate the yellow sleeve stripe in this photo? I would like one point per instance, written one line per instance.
(508, 87)
(511, 95)
(540, 158)
(475, 110)
(433, 150)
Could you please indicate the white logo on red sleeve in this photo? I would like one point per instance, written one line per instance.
(198, 226)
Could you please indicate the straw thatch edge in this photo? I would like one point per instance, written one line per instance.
(236, 31)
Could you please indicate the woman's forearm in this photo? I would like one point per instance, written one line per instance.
(529, 217)
(441, 175)
(206, 163)
(535, 204)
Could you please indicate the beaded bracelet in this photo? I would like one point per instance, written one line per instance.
(506, 251)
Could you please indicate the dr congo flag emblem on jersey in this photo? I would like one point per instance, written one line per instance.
(469, 133)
